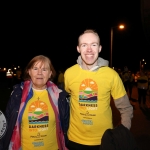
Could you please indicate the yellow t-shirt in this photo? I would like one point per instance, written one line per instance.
(90, 113)
(38, 126)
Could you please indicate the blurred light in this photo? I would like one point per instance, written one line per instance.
(121, 26)
(9, 73)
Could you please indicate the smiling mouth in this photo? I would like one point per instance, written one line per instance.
(89, 55)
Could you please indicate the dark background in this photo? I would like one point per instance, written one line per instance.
(52, 29)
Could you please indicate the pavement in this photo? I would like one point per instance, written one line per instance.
(141, 122)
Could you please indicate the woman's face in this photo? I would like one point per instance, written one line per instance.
(40, 73)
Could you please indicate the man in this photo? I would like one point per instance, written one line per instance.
(91, 83)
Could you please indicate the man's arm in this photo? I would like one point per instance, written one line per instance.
(125, 109)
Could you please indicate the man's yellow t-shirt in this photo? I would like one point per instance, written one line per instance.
(90, 110)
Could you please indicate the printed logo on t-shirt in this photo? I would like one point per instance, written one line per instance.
(88, 91)
(38, 115)
(88, 100)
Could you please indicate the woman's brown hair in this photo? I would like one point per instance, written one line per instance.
(40, 58)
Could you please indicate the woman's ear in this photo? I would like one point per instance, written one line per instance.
(29, 72)
(50, 74)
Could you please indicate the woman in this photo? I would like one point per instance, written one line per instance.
(32, 112)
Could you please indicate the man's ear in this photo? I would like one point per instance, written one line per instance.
(100, 48)
(78, 49)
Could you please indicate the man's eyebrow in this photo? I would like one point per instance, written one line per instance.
(83, 43)
(90, 43)
(94, 43)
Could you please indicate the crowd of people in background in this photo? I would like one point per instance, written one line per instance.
(140, 79)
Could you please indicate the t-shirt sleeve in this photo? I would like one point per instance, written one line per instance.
(117, 89)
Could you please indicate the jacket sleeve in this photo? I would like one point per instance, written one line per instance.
(11, 114)
(64, 110)
(125, 109)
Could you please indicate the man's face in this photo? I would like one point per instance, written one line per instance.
(40, 73)
(89, 49)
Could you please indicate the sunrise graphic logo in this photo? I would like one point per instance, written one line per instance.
(88, 91)
(38, 113)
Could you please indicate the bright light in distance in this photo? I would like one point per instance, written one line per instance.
(9, 73)
(121, 26)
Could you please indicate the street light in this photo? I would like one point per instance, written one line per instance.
(111, 47)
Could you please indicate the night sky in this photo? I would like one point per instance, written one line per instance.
(52, 29)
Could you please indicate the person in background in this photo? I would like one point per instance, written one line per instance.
(120, 73)
(60, 80)
(131, 84)
(18, 77)
(126, 78)
(91, 83)
(142, 85)
(32, 112)
(148, 90)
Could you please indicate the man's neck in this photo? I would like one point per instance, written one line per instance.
(88, 67)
